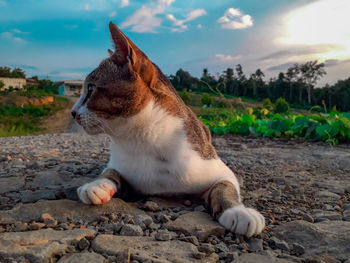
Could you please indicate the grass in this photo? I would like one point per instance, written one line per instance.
(19, 121)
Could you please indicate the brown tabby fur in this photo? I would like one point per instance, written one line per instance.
(127, 80)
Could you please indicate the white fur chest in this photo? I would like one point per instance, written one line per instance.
(151, 151)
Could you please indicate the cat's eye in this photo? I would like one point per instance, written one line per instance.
(90, 88)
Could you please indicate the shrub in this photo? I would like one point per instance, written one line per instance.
(221, 104)
(267, 104)
(1, 84)
(281, 106)
(185, 96)
(207, 99)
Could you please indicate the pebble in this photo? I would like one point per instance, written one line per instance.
(298, 249)
(163, 235)
(191, 239)
(36, 226)
(187, 203)
(83, 243)
(46, 217)
(206, 248)
(255, 244)
(275, 243)
(151, 206)
(131, 230)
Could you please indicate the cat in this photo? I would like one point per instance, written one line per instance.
(158, 145)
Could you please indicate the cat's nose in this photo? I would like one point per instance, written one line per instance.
(74, 113)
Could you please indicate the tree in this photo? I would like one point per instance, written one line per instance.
(311, 71)
(5, 72)
(227, 77)
(241, 80)
(1, 84)
(291, 77)
(18, 73)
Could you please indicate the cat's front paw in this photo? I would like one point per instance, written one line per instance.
(97, 192)
(242, 220)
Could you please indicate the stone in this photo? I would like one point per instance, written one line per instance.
(164, 235)
(327, 195)
(326, 215)
(197, 224)
(36, 226)
(84, 257)
(257, 258)
(315, 238)
(275, 243)
(131, 230)
(144, 219)
(83, 243)
(46, 216)
(123, 256)
(151, 206)
(200, 208)
(13, 183)
(206, 248)
(40, 245)
(191, 239)
(29, 196)
(298, 249)
(63, 209)
(148, 248)
(255, 244)
(346, 215)
(20, 226)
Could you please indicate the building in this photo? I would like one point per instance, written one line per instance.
(70, 87)
(15, 83)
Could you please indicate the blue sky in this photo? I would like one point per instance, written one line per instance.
(66, 39)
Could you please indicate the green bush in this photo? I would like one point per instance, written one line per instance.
(185, 96)
(207, 99)
(267, 104)
(221, 104)
(281, 106)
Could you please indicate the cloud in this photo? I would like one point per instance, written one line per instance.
(227, 58)
(235, 19)
(300, 50)
(145, 19)
(3, 3)
(180, 23)
(124, 3)
(281, 67)
(199, 26)
(13, 36)
(87, 7)
(113, 14)
(334, 62)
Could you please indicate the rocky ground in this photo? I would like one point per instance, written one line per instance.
(302, 189)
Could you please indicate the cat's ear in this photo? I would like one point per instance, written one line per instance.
(123, 51)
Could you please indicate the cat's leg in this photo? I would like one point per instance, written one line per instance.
(224, 202)
(101, 190)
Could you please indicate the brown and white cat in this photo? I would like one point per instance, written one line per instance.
(158, 146)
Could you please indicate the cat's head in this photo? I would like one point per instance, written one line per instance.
(117, 88)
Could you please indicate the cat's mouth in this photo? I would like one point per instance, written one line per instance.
(90, 127)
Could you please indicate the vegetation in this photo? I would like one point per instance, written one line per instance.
(18, 121)
(6, 72)
(296, 86)
(331, 128)
(207, 99)
(281, 106)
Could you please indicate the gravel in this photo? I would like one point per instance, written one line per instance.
(301, 188)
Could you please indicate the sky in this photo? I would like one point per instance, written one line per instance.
(66, 39)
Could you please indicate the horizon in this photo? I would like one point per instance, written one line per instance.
(66, 40)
